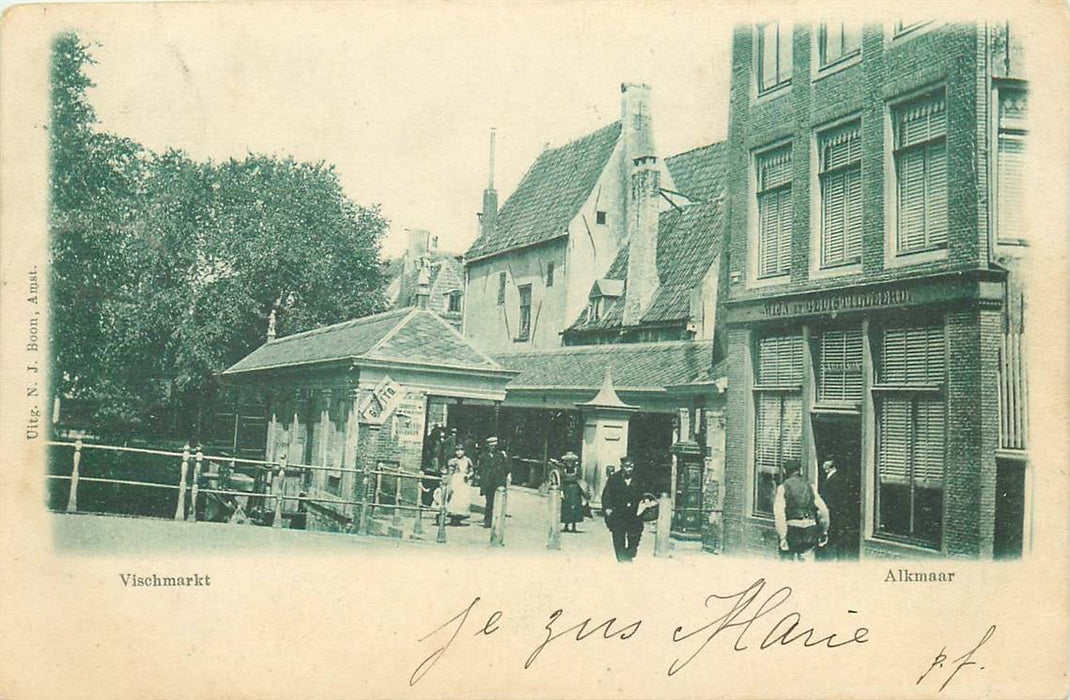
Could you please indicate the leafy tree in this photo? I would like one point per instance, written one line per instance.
(166, 270)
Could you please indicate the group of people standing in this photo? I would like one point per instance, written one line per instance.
(449, 471)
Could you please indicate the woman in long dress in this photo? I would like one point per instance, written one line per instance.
(459, 505)
(573, 493)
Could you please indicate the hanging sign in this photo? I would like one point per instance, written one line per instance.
(384, 398)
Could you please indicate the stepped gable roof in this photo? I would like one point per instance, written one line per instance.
(635, 366)
(689, 239)
(550, 194)
(403, 335)
(699, 174)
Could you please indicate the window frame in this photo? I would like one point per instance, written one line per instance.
(453, 299)
(928, 390)
(550, 273)
(819, 267)
(780, 276)
(1015, 131)
(894, 256)
(783, 388)
(523, 326)
(823, 62)
(780, 81)
(502, 280)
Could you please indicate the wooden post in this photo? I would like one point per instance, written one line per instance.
(366, 481)
(196, 480)
(441, 538)
(396, 520)
(72, 496)
(418, 524)
(662, 544)
(180, 509)
(276, 491)
(554, 513)
(378, 488)
(497, 521)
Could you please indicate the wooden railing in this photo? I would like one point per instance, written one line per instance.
(1013, 393)
(194, 480)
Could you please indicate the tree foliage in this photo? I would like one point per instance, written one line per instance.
(165, 270)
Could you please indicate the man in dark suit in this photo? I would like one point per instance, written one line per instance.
(621, 502)
(836, 492)
(494, 472)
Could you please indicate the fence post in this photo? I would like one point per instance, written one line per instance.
(396, 520)
(72, 496)
(366, 484)
(441, 538)
(662, 544)
(276, 490)
(180, 509)
(418, 524)
(497, 521)
(554, 513)
(196, 480)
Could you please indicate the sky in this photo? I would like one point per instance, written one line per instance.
(401, 97)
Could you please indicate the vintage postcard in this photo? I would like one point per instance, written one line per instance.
(534, 350)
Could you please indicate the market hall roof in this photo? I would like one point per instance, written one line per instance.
(550, 194)
(636, 367)
(403, 336)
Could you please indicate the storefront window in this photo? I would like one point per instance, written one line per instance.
(778, 414)
(911, 428)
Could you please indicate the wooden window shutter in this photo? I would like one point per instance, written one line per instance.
(893, 440)
(936, 195)
(767, 438)
(840, 368)
(912, 356)
(1010, 164)
(780, 360)
(929, 442)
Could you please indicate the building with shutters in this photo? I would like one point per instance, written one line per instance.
(873, 300)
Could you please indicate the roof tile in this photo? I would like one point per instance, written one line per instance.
(550, 194)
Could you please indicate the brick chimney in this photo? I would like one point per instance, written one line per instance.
(489, 216)
(642, 230)
(416, 251)
(635, 119)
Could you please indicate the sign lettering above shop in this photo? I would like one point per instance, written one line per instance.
(847, 301)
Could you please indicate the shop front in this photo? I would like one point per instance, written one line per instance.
(895, 383)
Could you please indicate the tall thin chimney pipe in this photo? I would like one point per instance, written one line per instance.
(493, 134)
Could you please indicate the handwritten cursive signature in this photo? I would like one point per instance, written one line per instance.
(745, 608)
(962, 661)
(741, 616)
(488, 628)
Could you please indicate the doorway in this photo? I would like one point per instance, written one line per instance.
(1010, 509)
(839, 437)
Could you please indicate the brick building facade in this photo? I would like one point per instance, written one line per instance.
(872, 302)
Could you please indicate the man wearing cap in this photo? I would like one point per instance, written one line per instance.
(621, 503)
(494, 468)
(800, 515)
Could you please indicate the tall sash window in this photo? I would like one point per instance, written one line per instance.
(778, 414)
(911, 429)
(774, 212)
(840, 152)
(921, 175)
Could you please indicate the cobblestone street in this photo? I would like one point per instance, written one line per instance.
(525, 530)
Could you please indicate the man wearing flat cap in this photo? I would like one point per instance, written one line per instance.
(494, 467)
(622, 506)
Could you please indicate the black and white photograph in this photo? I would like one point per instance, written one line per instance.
(534, 350)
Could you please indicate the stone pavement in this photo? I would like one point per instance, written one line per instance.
(525, 533)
